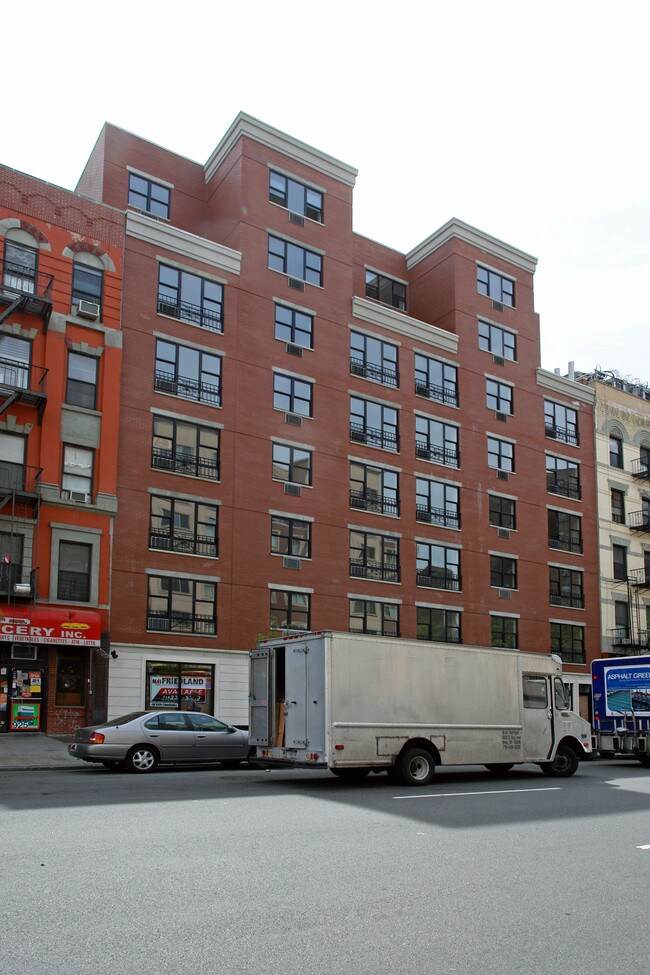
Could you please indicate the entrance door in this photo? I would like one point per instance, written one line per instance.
(538, 717)
(26, 699)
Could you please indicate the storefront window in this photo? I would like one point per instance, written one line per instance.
(184, 687)
(71, 679)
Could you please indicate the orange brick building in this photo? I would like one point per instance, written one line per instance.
(60, 365)
(317, 431)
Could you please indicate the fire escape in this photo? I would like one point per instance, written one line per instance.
(634, 637)
(21, 382)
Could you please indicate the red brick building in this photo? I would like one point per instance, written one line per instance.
(60, 363)
(318, 431)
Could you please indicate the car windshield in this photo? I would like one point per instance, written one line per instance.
(124, 719)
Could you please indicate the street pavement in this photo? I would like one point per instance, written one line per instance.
(34, 750)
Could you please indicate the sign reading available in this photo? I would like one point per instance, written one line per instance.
(76, 627)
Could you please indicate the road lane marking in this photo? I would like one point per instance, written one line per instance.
(646, 847)
(492, 792)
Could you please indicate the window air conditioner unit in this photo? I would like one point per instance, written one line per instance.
(497, 305)
(293, 418)
(502, 475)
(503, 533)
(504, 594)
(501, 416)
(24, 651)
(80, 496)
(88, 309)
(290, 563)
(292, 489)
(498, 360)
(294, 349)
(296, 283)
(296, 218)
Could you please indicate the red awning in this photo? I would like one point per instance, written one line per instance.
(36, 624)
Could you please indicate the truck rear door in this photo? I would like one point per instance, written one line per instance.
(537, 716)
(259, 697)
(305, 696)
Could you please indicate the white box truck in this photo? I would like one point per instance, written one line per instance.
(357, 704)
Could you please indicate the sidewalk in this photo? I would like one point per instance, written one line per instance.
(34, 750)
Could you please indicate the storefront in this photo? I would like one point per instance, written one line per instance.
(51, 665)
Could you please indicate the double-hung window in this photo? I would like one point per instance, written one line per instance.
(436, 441)
(503, 512)
(438, 566)
(498, 396)
(503, 572)
(292, 395)
(561, 422)
(563, 477)
(437, 503)
(374, 556)
(436, 380)
(504, 632)
(618, 506)
(619, 561)
(296, 196)
(187, 527)
(81, 384)
(290, 536)
(387, 290)
(374, 489)
(77, 477)
(147, 195)
(295, 261)
(87, 281)
(190, 298)
(373, 359)
(181, 605)
(188, 373)
(292, 464)
(438, 624)
(495, 286)
(20, 267)
(15, 356)
(566, 587)
(375, 617)
(568, 641)
(499, 341)
(616, 452)
(373, 424)
(185, 448)
(565, 531)
(290, 610)
(501, 455)
(73, 582)
(294, 326)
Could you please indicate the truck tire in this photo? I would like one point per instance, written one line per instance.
(499, 767)
(351, 774)
(563, 765)
(415, 766)
(644, 759)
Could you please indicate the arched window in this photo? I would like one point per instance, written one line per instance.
(20, 265)
(87, 284)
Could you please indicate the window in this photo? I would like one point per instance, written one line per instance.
(20, 267)
(498, 341)
(373, 359)
(296, 327)
(616, 452)
(439, 625)
(73, 584)
(179, 605)
(87, 280)
(190, 298)
(566, 587)
(495, 286)
(568, 641)
(561, 422)
(374, 556)
(71, 681)
(618, 506)
(503, 572)
(565, 531)
(290, 536)
(78, 470)
(81, 386)
(644, 461)
(11, 562)
(178, 686)
(295, 261)
(535, 692)
(187, 373)
(291, 464)
(290, 610)
(437, 503)
(438, 567)
(15, 356)
(373, 424)
(501, 455)
(504, 632)
(619, 560)
(188, 527)
(12, 462)
(295, 196)
(503, 512)
(436, 441)
(373, 489)
(185, 448)
(292, 395)
(498, 396)
(436, 380)
(386, 290)
(370, 616)
(147, 195)
(563, 477)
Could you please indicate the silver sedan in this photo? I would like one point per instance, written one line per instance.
(143, 739)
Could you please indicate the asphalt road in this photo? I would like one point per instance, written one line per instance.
(253, 872)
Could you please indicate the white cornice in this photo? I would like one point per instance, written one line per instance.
(565, 387)
(246, 125)
(159, 234)
(477, 238)
(397, 321)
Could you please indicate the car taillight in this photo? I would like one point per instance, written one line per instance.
(96, 738)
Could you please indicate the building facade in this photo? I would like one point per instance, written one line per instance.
(60, 363)
(318, 431)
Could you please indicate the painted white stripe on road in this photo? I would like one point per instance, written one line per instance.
(493, 792)
(646, 847)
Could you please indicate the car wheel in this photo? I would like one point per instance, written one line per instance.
(142, 759)
(499, 767)
(416, 766)
(563, 765)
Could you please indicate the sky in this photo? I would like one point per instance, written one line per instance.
(528, 120)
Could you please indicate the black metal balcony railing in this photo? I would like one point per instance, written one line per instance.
(441, 394)
(568, 487)
(387, 377)
(183, 542)
(425, 451)
(566, 434)
(187, 388)
(439, 579)
(15, 575)
(209, 318)
(180, 462)
(368, 569)
(23, 280)
(576, 601)
(180, 623)
(641, 469)
(386, 439)
(569, 656)
(437, 516)
(374, 502)
(639, 578)
(20, 479)
(639, 520)
(567, 542)
(622, 636)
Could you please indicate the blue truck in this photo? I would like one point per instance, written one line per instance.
(621, 707)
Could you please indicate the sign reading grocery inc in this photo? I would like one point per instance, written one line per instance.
(77, 628)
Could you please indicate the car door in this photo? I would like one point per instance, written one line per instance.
(214, 740)
(172, 736)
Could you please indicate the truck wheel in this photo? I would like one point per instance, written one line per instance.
(563, 765)
(141, 759)
(351, 774)
(499, 767)
(644, 759)
(415, 766)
